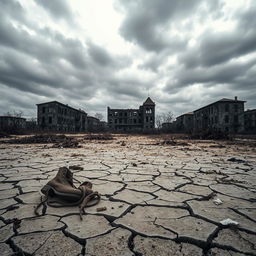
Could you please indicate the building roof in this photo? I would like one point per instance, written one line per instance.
(148, 101)
(93, 117)
(250, 110)
(187, 114)
(65, 105)
(222, 100)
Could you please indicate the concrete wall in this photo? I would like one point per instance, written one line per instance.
(55, 116)
(8, 123)
(225, 116)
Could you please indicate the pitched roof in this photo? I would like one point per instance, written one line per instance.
(230, 100)
(148, 101)
(222, 100)
(57, 102)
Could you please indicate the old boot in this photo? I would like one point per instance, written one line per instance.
(62, 187)
(60, 192)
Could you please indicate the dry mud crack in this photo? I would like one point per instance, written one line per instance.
(158, 199)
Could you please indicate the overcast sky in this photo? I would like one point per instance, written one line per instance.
(91, 54)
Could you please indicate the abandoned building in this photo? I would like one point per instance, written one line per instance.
(12, 123)
(94, 124)
(185, 122)
(226, 115)
(250, 121)
(125, 120)
(55, 116)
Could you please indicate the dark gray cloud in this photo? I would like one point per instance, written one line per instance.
(147, 21)
(57, 8)
(40, 62)
(219, 47)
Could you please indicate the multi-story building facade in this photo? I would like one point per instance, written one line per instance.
(12, 123)
(250, 121)
(55, 116)
(93, 124)
(226, 115)
(141, 119)
(185, 122)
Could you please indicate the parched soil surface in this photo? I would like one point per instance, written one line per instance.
(159, 196)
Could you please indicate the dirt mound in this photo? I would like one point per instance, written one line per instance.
(39, 139)
(105, 136)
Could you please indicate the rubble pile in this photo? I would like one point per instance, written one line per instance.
(210, 134)
(40, 139)
(67, 143)
(105, 136)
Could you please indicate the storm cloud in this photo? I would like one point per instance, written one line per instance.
(183, 53)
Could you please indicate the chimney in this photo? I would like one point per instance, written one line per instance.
(235, 97)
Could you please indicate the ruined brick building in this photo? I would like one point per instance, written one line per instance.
(55, 116)
(250, 121)
(226, 115)
(12, 123)
(185, 122)
(141, 119)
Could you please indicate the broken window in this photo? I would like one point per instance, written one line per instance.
(146, 118)
(50, 119)
(236, 107)
(236, 119)
(148, 111)
(226, 119)
(226, 107)
(134, 121)
(115, 121)
(43, 110)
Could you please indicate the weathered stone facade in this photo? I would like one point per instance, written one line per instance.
(226, 115)
(55, 116)
(142, 119)
(10, 123)
(250, 121)
(185, 122)
(93, 124)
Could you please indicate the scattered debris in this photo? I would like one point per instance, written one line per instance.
(217, 201)
(134, 164)
(46, 155)
(211, 134)
(76, 167)
(123, 143)
(236, 160)
(38, 139)
(172, 142)
(217, 146)
(228, 221)
(68, 143)
(105, 136)
(101, 209)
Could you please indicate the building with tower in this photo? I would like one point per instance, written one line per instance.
(130, 120)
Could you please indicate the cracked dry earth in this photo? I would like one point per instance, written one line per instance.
(159, 199)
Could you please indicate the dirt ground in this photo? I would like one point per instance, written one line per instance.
(160, 196)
